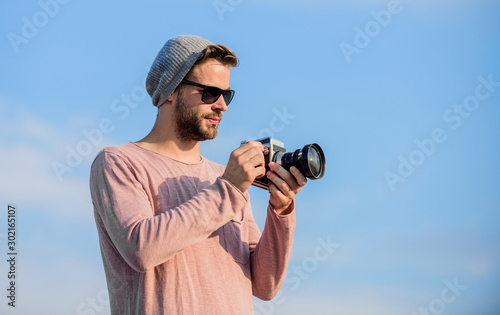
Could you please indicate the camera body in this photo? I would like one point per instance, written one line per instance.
(272, 148)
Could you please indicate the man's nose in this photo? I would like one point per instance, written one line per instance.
(219, 105)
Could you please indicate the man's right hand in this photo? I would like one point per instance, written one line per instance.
(245, 165)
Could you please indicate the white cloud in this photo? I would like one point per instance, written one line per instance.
(28, 179)
(30, 146)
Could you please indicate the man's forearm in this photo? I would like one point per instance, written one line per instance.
(271, 256)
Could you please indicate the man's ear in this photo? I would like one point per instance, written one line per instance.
(171, 98)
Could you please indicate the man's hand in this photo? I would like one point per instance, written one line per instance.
(284, 187)
(245, 165)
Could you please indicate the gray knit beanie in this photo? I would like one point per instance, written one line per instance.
(171, 65)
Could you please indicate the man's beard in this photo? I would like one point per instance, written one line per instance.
(190, 125)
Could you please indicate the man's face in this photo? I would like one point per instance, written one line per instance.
(190, 121)
(195, 120)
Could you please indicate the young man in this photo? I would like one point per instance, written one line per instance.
(176, 230)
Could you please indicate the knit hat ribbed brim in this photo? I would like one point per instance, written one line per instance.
(171, 65)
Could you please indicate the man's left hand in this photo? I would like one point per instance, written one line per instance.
(284, 186)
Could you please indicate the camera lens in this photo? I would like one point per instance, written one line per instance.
(310, 160)
(314, 162)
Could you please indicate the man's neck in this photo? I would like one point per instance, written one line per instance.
(187, 152)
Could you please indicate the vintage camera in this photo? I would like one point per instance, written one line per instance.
(310, 160)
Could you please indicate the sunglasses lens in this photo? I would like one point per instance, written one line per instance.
(228, 96)
(211, 94)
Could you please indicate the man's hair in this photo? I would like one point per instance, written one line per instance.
(220, 53)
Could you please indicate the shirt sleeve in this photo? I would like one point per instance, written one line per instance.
(270, 252)
(143, 239)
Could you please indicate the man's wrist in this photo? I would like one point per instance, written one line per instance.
(284, 210)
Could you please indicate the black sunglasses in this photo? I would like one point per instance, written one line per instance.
(212, 93)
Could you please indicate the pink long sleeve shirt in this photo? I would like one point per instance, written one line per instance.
(178, 238)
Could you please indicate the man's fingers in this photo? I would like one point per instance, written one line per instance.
(293, 178)
(251, 154)
(299, 177)
(250, 144)
(245, 164)
(279, 183)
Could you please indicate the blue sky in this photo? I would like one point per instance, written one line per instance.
(403, 96)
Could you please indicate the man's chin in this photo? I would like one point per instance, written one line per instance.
(211, 133)
(211, 136)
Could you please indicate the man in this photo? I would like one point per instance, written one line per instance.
(176, 231)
